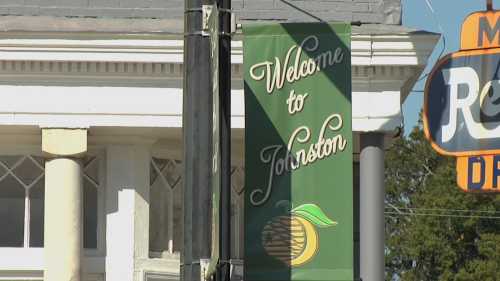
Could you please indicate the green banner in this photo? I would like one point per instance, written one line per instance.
(298, 152)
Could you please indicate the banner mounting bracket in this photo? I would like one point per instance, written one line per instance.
(206, 11)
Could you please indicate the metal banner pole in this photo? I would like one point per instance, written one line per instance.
(225, 138)
(197, 131)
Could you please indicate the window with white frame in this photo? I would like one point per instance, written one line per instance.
(165, 208)
(22, 187)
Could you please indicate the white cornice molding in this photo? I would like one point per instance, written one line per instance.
(406, 49)
(137, 71)
(90, 69)
(120, 50)
(158, 63)
(116, 71)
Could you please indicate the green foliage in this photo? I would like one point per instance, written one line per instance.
(434, 231)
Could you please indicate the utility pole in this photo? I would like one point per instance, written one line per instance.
(199, 141)
(225, 139)
(197, 133)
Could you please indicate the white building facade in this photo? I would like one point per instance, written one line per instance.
(101, 109)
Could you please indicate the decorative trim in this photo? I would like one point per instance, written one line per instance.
(140, 71)
(90, 68)
(394, 72)
(146, 67)
(155, 58)
(38, 276)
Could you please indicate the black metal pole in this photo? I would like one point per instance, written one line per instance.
(197, 133)
(225, 138)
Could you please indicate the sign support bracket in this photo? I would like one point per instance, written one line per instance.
(207, 12)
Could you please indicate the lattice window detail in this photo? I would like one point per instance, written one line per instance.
(22, 195)
(165, 221)
(237, 211)
(90, 165)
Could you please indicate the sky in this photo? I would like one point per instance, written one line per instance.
(444, 17)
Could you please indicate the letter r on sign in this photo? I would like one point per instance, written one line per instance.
(455, 77)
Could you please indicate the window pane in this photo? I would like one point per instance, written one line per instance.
(237, 211)
(37, 197)
(10, 160)
(12, 196)
(89, 215)
(91, 168)
(158, 217)
(178, 217)
(173, 172)
(158, 163)
(165, 203)
(28, 171)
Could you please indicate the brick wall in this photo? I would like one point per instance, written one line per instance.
(94, 8)
(369, 11)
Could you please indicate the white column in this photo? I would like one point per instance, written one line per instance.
(63, 241)
(372, 194)
(127, 210)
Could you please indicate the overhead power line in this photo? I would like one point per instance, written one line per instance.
(443, 37)
(443, 210)
(442, 215)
